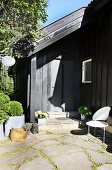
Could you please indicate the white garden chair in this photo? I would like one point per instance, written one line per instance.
(98, 120)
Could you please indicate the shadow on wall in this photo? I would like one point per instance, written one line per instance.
(57, 82)
(56, 95)
(62, 85)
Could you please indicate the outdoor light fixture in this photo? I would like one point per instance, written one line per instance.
(7, 61)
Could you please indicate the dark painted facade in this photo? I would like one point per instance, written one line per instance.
(97, 44)
(50, 79)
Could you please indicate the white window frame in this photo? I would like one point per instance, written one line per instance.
(83, 70)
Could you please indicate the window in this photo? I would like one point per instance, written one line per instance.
(86, 71)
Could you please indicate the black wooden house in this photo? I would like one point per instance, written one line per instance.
(71, 66)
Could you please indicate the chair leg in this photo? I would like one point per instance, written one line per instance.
(94, 131)
(88, 129)
(104, 135)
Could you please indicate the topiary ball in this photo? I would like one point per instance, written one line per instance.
(14, 108)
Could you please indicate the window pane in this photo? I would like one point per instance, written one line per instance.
(86, 70)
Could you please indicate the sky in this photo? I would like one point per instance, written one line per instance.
(59, 8)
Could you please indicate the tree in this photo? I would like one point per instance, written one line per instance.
(6, 82)
(20, 18)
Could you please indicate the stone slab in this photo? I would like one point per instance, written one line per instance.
(100, 157)
(105, 167)
(7, 167)
(37, 164)
(61, 150)
(73, 161)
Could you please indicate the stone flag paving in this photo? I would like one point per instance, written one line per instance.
(55, 150)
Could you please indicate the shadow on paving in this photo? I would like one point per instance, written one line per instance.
(99, 134)
(79, 132)
(108, 141)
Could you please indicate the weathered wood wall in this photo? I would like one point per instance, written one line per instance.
(58, 77)
(97, 44)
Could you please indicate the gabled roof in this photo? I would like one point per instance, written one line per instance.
(59, 29)
(68, 24)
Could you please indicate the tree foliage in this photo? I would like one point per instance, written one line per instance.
(19, 18)
(6, 82)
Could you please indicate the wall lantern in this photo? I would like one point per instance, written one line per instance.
(7, 61)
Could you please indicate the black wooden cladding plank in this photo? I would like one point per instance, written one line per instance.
(98, 70)
(95, 6)
(48, 86)
(64, 21)
(104, 67)
(28, 91)
(56, 38)
(38, 91)
(44, 85)
(104, 79)
(91, 56)
(101, 4)
(109, 55)
(33, 89)
(77, 72)
(86, 94)
(68, 90)
(86, 87)
(94, 60)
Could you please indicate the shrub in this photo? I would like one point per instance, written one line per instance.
(14, 108)
(3, 100)
(3, 116)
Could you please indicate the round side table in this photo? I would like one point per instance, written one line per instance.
(99, 124)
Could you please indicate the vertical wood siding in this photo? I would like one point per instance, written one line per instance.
(58, 79)
(99, 92)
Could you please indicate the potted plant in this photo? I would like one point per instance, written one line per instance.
(4, 99)
(16, 119)
(84, 111)
(3, 118)
(41, 117)
(27, 127)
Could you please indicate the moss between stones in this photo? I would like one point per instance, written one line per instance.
(49, 159)
(48, 132)
(5, 141)
(26, 161)
(94, 164)
(11, 153)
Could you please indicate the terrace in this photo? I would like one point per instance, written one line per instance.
(62, 147)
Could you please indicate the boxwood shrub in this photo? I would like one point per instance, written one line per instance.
(14, 108)
(4, 99)
(3, 116)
